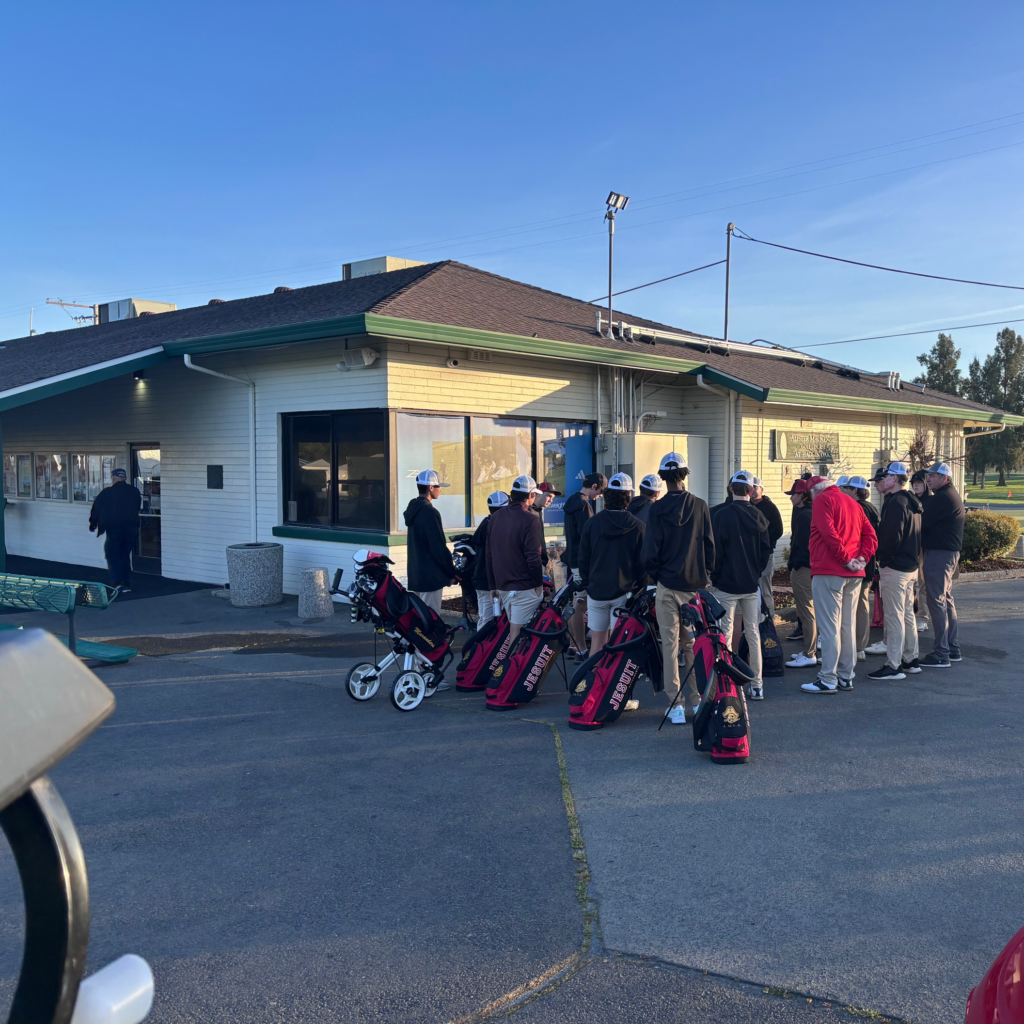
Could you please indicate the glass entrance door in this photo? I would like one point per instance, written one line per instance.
(146, 477)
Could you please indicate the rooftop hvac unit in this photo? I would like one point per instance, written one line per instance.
(125, 309)
(379, 265)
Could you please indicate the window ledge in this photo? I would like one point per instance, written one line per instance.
(339, 535)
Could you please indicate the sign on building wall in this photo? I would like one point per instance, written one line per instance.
(805, 446)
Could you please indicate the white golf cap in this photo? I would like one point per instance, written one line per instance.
(429, 478)
(858, 482)
(942, 468)
(672, 461)
(897, 469)
(843, 481)
(620, 482)
(525, 484)
(757, 482)
(742, 477)
(499, 499)
(651, 482)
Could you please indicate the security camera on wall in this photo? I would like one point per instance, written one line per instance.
(358, 358)
(451, 363)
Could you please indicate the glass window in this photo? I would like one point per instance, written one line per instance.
(24, 476)
(90, 474)
(502, 450)
(52, 477)
(361, 463)
(565, 455)
(10, 475)
(438, 443)
(308, 482)
(336, 469)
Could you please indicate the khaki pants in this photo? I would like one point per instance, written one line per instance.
(765, 583)
(484, 607)
(675, 638)
(801, 583)
(863, 604)
(431, 598)
(898, 604)
(921, 593)
(834, 598)
(750, 609)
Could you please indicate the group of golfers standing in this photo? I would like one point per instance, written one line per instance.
(662, 535)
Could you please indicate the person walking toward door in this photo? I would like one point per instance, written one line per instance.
(115, 512)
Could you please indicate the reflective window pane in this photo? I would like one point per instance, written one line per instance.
(79, 477)
(437, 443)
(502, 450)
(565, 455)
(10, 475)
(362, 469)
(24, 476)
(308, 487)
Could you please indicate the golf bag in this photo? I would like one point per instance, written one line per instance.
(721, 726)
(481, 654)
(465, 556)
(601, 686)
(518, 676)
(773, 660)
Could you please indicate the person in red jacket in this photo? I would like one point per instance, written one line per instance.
(842, 543)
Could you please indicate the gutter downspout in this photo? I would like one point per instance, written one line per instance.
(997, 428)
(251, 385)
(730, 430)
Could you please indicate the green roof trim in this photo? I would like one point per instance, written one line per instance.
(726, 380)
(783, 396)
(314, 330)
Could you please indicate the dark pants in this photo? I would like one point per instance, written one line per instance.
(939, 569)
(118, 549)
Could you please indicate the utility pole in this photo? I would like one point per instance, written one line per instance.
(93, 317)
(728, 267)
(614, 202)
(31, 329)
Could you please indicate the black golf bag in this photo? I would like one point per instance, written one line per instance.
(465, 556)
(773, 659)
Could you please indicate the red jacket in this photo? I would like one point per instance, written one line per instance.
(840, 532)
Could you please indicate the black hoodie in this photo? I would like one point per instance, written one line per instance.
(678, 544)
(771, 512)
(800, 538)
(942, 523)
(575, 512)
(899, 532)
(640, 507)
(610, 550)
(742, 548)
(430, 562)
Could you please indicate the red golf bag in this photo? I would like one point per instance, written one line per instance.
(601, 686)
(481, 654)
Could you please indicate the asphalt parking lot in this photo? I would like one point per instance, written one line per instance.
(279, 852)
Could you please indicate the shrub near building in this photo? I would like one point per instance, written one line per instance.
(988, 535)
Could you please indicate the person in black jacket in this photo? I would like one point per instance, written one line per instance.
(742, 552)
(610, 552)
(115, 512)
(578, 508)
(919, 485)
(857, 488)
(799, 566)
(899, 551)
(650, 489)
(515, 540)
(678, 548)
(942, 537)
(430, 565)
(484, 597)
(771, 512)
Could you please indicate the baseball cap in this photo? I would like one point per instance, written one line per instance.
(843, 481)
(858, 482)
(525, 484)
(741, 476)
(672, 461)
(897, 469)
(499, 499)
(799, 487)
(941, 467)
(546, 488)
(757, 482)
(429, 478)
(879, 474)
(651, 483)
(119, 474)
(815, 480)
(620, 482)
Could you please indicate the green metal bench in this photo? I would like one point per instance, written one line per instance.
(38, 594)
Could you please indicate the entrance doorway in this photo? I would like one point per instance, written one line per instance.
(146, 477)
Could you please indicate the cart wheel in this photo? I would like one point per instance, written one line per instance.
(407, 691)
(432, 679)
(363, 681)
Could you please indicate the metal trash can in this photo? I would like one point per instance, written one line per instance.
(255, 574)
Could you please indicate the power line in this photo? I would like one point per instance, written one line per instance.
(875, 266)
(671, 277)
(908, 334)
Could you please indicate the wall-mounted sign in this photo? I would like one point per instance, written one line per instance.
(805, 446)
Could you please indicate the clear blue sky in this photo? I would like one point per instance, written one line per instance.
(189, 151)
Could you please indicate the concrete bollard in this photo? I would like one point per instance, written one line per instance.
(315, 600)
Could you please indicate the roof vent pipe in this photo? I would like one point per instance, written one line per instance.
(281, 288)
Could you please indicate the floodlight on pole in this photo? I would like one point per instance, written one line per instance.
(614, 202)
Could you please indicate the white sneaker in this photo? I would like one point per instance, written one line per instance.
(631, 705)
(861, 656)
(755, 692)
(677, 716)
(800, 660)
(819, 686)
(922, 626)
(878, 648)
